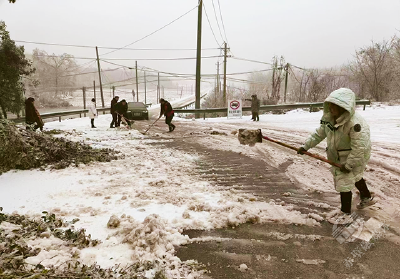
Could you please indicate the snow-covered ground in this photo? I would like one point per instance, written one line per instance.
(156, 196)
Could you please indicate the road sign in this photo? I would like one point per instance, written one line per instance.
(235, 108)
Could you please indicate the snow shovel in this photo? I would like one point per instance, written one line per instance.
(151, 126)
(251, 137)
(125, 121)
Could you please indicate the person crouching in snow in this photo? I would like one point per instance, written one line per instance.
(166, 109)
(92, 112)
(349, 144)
(32, 115)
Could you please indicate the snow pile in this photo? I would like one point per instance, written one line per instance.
(114, 222)
(249, 137)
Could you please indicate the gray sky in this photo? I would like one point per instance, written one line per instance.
(308, 33)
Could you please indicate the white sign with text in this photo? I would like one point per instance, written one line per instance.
(235, 108)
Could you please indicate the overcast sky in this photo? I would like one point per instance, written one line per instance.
(308, 33)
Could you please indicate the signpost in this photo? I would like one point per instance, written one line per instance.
(235, 108)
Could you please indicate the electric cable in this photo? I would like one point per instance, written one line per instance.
(151, 33)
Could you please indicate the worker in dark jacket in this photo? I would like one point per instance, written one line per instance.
(121, 109)
(168, 112)
(32, 116)
(114, 101)
(255, 107)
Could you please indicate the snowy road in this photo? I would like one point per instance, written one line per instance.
(200, 178)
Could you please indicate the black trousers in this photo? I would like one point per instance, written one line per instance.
(168, 120)
(346, 197)
(254, 116)
(114, 120)
(119, 119)
(92, 122)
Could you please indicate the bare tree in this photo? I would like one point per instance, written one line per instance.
(372, 67)
(55, 73)
(278, 74)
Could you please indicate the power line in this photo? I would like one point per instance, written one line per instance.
(116, 48)
(135, 59)
(215, 13)
(220, 13)
(152, 32)
(209, 23)
(159, 59)
(72, 57)
(249, 60)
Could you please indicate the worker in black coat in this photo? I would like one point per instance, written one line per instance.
(121, 109)
(114, 101)
(168, 112)
(32, 116)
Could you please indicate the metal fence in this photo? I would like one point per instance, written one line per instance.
(203, 112)
(309, 106)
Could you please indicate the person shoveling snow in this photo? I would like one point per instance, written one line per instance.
(348, 151)
(349, 144)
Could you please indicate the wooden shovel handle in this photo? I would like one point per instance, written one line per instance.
(305, 152)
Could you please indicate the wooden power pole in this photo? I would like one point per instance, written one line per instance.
(224, 92)
(101, 86)
(84, 98)
(94, 89)
(198, 57)
(158, 88)
(145, 89)
(286, 81)
(137, 84)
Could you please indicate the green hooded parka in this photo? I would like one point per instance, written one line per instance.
(348, 141)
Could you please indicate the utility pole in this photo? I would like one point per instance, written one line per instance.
(137, 84)
(158, 88)
(286, 81)
(198, 56)
(225, 54)
(101, 86)
(84, 98)
(218, 79)
(145, 89)
(113, 89)
(94, 89)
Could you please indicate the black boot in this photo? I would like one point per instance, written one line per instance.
(92, 122)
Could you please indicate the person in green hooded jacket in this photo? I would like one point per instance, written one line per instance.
(348, 144)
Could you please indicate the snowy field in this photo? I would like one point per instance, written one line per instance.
(156, 196)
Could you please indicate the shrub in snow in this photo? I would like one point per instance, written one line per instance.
(114, 222)
(23, 149)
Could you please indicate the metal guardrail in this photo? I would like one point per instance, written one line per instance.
(266, 108)
(60, 114)
(189, 104)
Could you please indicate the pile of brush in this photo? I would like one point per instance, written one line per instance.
(25, 149)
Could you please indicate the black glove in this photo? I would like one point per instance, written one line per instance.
(344, 169)
(301, 151)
